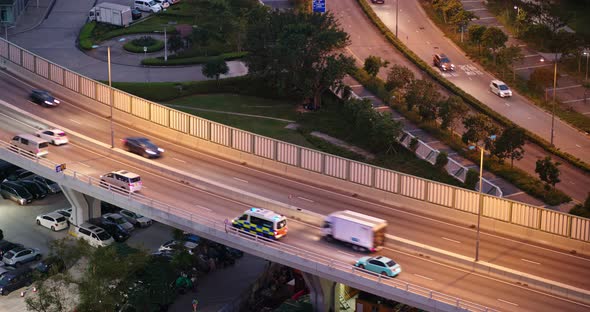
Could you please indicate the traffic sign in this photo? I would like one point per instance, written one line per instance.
(319, 6)
(60, 167)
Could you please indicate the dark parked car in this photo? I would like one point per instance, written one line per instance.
(135, 14)
(143, 147)
(118, 233)
(6, 246)
(38, 191)
(52, 187)
(6, 169)
(15, 279)
(51, 265)
(15, 192)
(108, 208)
(20, 174)
(378, 1)
(44, 98)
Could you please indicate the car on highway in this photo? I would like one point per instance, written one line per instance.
(6, 246)
(135, 218)
(118, 219)
(38, 191)
(15, 279)
(443, 62)
(380, 265)
(124, 179)
(54, 221)
(176, 245)
(15, 192)
(20, 255)
(142, 146)
(44, 98)
(500, 89)
(53, 136)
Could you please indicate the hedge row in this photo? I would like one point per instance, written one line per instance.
(468, 98)
(84, 38)
(159, 61)
(131, 47)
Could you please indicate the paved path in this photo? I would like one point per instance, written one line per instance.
(226, 112)
(59, 32)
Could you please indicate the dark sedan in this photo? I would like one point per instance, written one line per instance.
(143, 147)
(44, 98)
(135, 14)
(38, 191)
(6, 246)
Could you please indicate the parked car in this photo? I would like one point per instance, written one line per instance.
(126, 180)
(118, 219)
(94, 235)
(20, 255)
(174, 245)
(15, 279)
(37, 190)
(3, 270)
(20, 174)
(443, 62)
(6, 169)
(53, 136)
(147, 5)
(52, 187)
(380, 265)
(500, 89)
(135, 218)
(378, 1)
(50, 265)
(163, 3)
(67, 213)
(44, 98)
(118, 233)
(106, 207)
(53, 221)
(143, 147)
(6, 246)
(135, 14)
(15, 192)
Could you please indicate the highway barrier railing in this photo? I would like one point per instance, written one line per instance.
(203, 224)
(271, 150)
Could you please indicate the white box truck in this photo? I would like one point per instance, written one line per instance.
(361, 232)
(111, 13)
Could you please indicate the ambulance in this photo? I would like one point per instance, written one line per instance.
(262, 222)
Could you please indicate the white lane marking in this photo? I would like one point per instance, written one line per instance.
(512, 303)
(180, 160)
(578, 145)
(83, 164)
(451, 240)
(345, 253)
(529, 261)
(241, 180)
(507, 104)
(260, 172)
(305, 199)
(72, 120)
(204, 208)
(424, 277)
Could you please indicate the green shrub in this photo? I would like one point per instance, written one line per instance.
(159, 61)
(442, 159)
(471, 179)
(413, 146)
(136, 45)
(84, 38)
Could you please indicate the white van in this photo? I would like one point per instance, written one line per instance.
(31, 143)
(124, 179)
(147, 5)
(94, 235)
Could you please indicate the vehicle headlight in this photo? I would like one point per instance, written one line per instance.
(56, 101)
(161, 150)
(49, 103)
(150, 152)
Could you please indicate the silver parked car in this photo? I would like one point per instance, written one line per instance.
(135, 218)
(118, 219)
(20, 255)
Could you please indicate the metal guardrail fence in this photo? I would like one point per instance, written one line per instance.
(506, 210)
(220, 225)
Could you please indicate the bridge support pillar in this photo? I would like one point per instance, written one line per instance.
(84, 207)
(322, 293)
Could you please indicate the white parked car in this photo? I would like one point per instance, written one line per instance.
(67, 213)
(94, 235)
(500, 89)
(135, 218)
(53, 221)
(53, 136)
(173, 245)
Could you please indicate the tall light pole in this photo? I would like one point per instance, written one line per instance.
(480, 206)
(517, 18)
(396, 15)
(111, 93)
(165, 46)
(587, 54)
(553, 100)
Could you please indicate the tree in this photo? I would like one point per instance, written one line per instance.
(546, 12)
(175, 43)
(507, 56)
(541, 79)
(476, 34)
(462, 19)
(421, 93)
(451, 110)
(385, 132)
(479, 128)
(442, 159)
(509, 144)
(373, 64)
(214, 68)
(240, 26)
(52, 295)
(298, 54)
(398, 77)
(201, 37)
(447, 8)
(582, 209)
(548, 171)
(494, 38)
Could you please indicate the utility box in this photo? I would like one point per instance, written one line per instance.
(111, 13)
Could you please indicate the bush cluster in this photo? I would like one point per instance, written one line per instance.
(159, 61)
(136, 45)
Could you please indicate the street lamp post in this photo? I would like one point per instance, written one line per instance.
(480, 206)
(111, 93)
(553, 100)
(517, 17)
(396, 15)
(587, 54)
